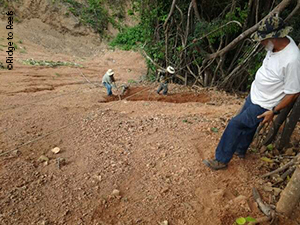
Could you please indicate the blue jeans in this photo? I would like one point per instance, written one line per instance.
(108, 88)
(164, 87)
(239, 132)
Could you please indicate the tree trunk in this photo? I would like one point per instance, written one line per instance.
(276, 125)
(290, 196)
(290, 125)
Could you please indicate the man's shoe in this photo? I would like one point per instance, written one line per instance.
(241, 156)
(214, 164)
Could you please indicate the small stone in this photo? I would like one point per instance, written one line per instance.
(55, 150)
(165, 222)
(116, 192)
(240, 198)
(43, 158)
(99, 177)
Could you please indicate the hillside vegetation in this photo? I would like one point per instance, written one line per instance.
(201, 39)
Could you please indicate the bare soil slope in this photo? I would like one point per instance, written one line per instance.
(121, 162)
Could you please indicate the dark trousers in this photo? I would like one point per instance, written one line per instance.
(164, 87)
(108, 88)
(239, 132)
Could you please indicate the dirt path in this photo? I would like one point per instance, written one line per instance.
(121, 162)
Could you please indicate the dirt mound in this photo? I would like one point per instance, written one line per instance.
(52, 13)
(147, 94)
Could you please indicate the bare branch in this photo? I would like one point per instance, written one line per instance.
(243, 35)
(294, 11)
(194, 2)
(170, 13)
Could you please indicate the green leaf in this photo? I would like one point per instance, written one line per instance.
(270, 147)
(266, 159)
(214, 129)
(241, 221)
(250, 219)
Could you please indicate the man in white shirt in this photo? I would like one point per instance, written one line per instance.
(276, 85)
(108, 80)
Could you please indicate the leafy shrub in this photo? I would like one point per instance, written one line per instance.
(92, 14)
(130, 38)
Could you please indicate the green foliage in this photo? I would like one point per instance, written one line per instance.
(92, 13)
(48, 63)
(4, 3)
(214, 129)
(130, 12)
(130, 81)
(255, 64)
(270, 147)
(15, 46)
(130, 38)
(1, 65)
(243, 220)
(23, 51)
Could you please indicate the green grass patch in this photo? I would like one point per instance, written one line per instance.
(23, 51)
(131, 81)
(49, 63)
(2, 65)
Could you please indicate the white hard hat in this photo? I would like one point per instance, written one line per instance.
(170, 69)
(110, 72)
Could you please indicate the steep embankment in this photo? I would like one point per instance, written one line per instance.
(49, 24)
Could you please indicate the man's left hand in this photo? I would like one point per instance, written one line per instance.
(268, 117)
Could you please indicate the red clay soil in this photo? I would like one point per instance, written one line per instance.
(135, 162)
(147, 94)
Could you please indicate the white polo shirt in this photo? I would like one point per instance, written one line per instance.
(279, 75)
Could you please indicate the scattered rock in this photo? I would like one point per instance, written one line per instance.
(55, 150)
(43, 158)
(43, 222)
(239, 199)
(165, 222)
(116, 192)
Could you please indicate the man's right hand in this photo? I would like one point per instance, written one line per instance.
(268, 116)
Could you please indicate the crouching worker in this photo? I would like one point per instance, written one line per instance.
(108, 81)
(164, 78)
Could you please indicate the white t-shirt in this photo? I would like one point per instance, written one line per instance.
(279, 75)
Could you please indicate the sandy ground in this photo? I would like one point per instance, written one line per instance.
(120, 162)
